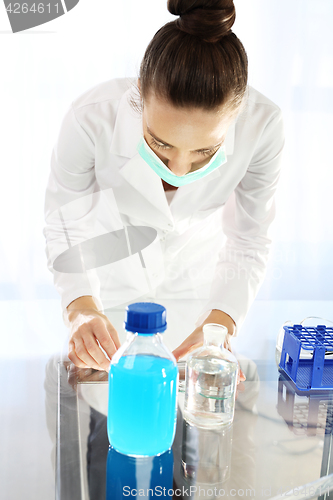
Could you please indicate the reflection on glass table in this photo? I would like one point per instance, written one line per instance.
(126, 474)
(261, 455)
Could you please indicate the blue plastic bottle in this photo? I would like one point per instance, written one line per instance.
(143, 385)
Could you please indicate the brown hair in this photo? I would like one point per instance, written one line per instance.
(196, 60)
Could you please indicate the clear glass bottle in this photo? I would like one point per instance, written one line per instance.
(143, 384)
(210, 381)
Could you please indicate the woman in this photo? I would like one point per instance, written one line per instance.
(204, 140)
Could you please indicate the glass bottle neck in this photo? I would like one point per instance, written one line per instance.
(214, 334)
(213, 341)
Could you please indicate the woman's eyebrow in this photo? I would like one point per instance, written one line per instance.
(170, 145)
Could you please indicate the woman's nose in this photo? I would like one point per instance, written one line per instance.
(179, 164)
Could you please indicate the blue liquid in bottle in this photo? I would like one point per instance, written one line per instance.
(143, 385)
(143, 394)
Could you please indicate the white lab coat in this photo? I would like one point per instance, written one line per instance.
(212, 241)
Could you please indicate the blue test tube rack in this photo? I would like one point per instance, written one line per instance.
(314, 373)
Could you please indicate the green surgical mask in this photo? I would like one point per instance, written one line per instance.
(218, 159)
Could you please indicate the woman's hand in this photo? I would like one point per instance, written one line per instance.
(191, 343)
(91, 333)
(196, 338)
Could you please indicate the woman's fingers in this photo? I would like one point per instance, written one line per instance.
(184, 349)
(190, 343)
(74, 358)
(179, 352)
(83, 355)
(93, 342)
(106, 341)
(95, 352)
(114, 335)
(239, 389)
(242, 377)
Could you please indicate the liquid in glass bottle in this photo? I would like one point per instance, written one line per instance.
(210, 381)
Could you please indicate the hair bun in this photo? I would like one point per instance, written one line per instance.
(210, 20)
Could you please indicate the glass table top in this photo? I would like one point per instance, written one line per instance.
(279, 445)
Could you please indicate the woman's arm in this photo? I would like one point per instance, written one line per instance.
(70, 214)
(247, 218)
(68, 205)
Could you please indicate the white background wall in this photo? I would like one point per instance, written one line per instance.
(289, 44)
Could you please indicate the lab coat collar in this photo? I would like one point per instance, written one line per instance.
(128, 128)
(143, 178)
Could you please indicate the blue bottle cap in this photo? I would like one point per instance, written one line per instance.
(145, 317)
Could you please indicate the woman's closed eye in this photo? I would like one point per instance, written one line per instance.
(203, 152)
(158, 145)
(207, 152)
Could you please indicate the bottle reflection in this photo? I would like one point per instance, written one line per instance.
(206, 454)
(145, 477)
(211, 463)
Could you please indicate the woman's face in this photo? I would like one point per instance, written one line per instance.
(184, 139)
